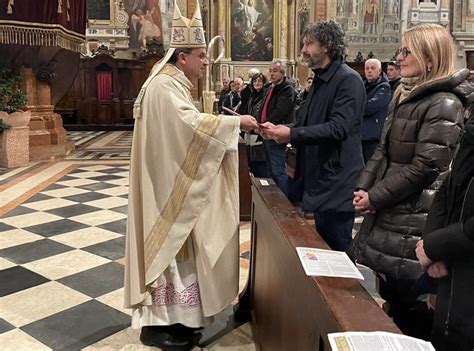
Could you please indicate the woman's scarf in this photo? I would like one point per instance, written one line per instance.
(406, 86)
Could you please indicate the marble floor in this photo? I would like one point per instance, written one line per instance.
(62, 228)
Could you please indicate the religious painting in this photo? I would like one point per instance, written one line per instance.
(252, 30)
(205, 18)
(98, 10)
(303, 17)
(146, 21)
(371, 16)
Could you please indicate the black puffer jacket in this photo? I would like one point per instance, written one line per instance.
(418, 142)
(449, 237)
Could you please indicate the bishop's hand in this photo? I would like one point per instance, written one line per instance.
(248, 123)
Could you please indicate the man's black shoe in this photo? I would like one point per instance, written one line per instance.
(166, 338)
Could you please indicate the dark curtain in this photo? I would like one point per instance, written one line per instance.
(43, 22)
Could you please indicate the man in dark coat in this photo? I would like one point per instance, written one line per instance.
(329, 153)
(393, 75)
(447, 251)
(378, 98)
(223, 94)
(233, 99)
(277, 108)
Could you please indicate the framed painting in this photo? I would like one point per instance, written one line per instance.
(99, 11)
(303, 20)
(251, 30)
(147, 19)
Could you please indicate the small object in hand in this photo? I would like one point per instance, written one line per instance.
(232, 112)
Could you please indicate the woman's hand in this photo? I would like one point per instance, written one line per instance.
(425, 262)
(362, 203)
(438, 270)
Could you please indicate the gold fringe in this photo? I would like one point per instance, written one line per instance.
(40, 36)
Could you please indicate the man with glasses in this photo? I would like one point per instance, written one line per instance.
(182, 260)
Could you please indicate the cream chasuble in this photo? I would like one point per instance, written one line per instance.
(182, 246)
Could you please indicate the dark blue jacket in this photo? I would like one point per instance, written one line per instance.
(329, 152)
(378, 99)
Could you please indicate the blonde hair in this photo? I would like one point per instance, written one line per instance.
(433, 42)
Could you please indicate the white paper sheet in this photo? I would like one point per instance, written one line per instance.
(380, 341)
(328, 263)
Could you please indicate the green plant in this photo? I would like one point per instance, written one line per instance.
(12, 98)
(3, 126)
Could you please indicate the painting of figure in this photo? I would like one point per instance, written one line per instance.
(371, 16)
(252, 30)
(304, 20)
(145, 22)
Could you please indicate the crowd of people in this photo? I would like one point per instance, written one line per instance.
(381, 147)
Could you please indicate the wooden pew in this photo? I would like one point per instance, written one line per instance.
(290, 310)
(245, 194)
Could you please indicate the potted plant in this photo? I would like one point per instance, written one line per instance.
(14, 130)
(12, 98)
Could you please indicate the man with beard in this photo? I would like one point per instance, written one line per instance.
(329, 155)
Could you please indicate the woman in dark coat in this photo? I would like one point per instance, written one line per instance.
(256, 149)
(447, 251)
(418, 142)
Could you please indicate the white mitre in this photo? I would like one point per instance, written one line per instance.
(185, 33)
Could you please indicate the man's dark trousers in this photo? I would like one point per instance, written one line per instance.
(368, 149)
(275, 155)
(335, 228)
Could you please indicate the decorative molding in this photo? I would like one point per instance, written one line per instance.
(103, 50)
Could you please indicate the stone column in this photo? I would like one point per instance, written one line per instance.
(282, 19)
(14, 147)
(222, 69)
(331, 10)
(47, 135)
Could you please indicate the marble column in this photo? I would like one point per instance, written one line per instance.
(282, 19)
(47, 136)
(331, 9)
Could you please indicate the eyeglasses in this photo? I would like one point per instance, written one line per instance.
(404, 51)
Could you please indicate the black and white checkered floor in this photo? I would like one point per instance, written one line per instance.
(61, 253)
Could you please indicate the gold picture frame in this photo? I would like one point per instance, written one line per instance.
(102, 21)
(254, 24)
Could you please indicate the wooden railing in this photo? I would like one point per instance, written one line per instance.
(290, 310)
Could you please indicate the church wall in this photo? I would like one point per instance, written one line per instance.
(259, 31)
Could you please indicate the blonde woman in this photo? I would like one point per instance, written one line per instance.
(420, 135)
